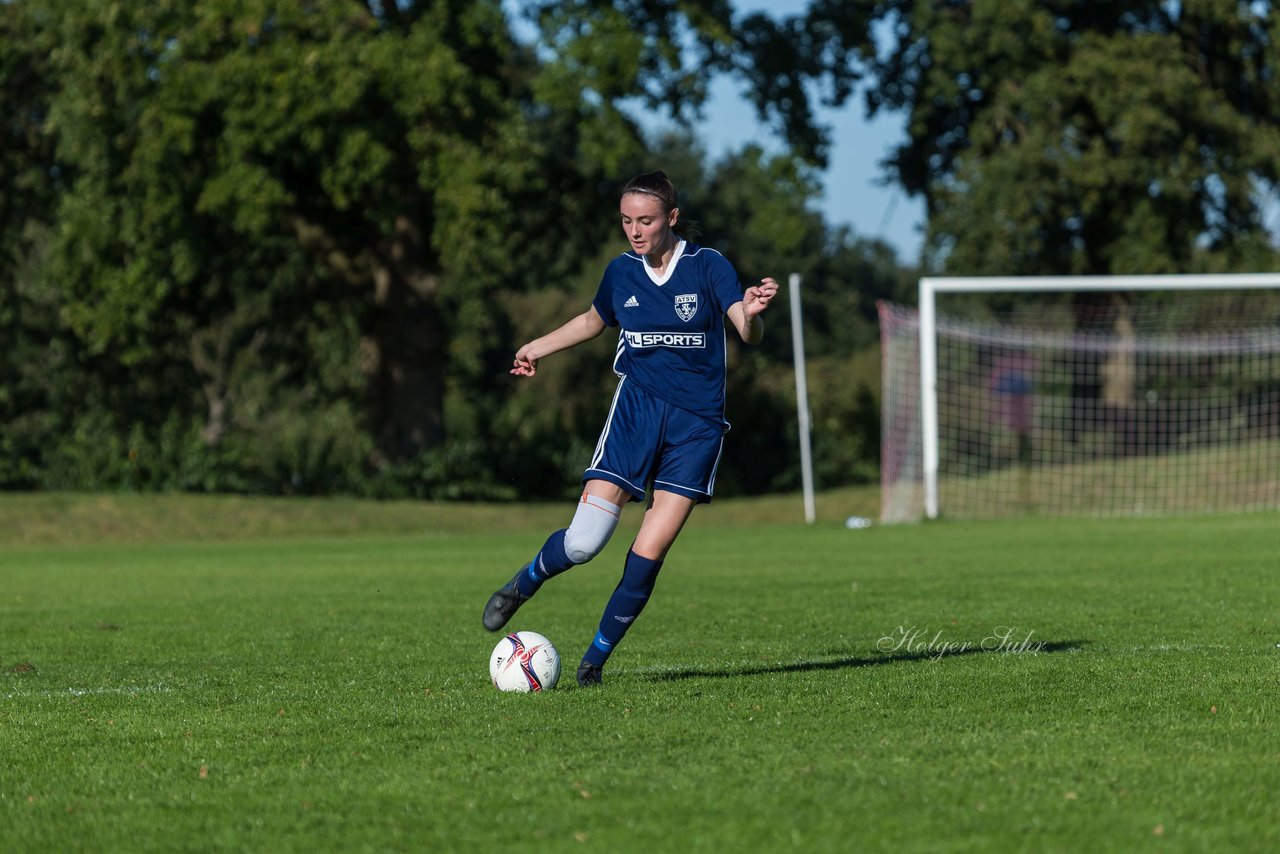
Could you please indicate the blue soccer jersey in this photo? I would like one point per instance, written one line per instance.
(672, 343)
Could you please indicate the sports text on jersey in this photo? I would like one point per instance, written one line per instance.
(695, 340)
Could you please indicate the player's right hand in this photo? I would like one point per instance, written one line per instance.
(525, 364)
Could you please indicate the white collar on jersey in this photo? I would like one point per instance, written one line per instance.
(671, 265)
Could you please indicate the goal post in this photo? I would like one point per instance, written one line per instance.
(1019, 405)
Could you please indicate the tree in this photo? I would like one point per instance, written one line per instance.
(663, 55)
(29, 184)
(1054, 137)
(260, 246)
(265, 195)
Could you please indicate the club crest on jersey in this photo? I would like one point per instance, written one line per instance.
(686, 306)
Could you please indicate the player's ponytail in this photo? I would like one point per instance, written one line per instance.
(658, 185)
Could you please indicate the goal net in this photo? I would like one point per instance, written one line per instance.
(1094, 397)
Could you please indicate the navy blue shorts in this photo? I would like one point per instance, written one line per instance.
(646, 439)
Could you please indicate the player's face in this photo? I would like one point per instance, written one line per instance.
(646, 225)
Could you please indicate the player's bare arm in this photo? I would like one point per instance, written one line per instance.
(745, 315)
(584, 327)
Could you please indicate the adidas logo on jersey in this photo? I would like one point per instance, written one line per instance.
(631, 303)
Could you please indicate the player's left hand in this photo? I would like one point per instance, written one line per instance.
(756, 298)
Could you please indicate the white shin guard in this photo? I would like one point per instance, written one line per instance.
(591, 528)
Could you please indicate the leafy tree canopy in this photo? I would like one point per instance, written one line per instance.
(258, 245)
(1063, 137)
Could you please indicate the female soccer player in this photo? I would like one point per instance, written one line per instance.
(666, 425)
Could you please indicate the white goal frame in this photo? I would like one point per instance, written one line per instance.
(931, 286)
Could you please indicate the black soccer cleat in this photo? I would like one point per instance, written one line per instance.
(503, 605)
(590, 674)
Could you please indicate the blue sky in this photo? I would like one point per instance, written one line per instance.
(853, 194)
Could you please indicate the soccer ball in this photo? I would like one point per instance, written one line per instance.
(524, 662)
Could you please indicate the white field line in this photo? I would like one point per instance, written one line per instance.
(121, 690)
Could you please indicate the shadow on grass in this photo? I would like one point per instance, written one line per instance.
(1037, 648)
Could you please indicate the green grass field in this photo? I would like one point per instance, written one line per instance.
(238, 674)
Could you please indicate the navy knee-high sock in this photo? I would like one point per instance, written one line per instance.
(550, 561)
(628, 600)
